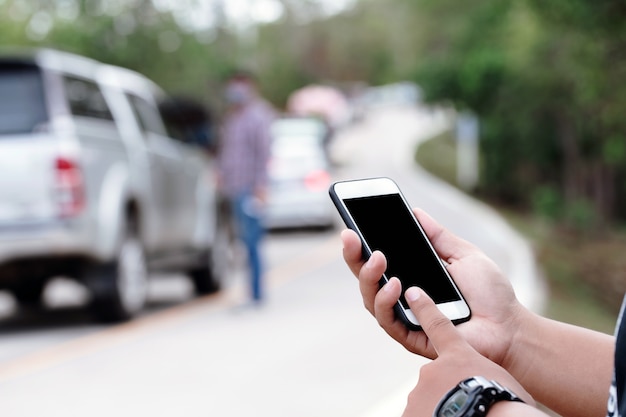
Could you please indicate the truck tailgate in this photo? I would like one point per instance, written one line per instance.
(27, 179)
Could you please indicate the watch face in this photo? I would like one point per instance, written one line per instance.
(454, 404)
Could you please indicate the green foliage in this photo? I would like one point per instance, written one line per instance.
(547, 202)
(545, 78)
(429, 156)
(614, 150)
(547, 83)
(580, 215)
(138, 37)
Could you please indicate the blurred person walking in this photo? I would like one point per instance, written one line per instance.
(243, 155)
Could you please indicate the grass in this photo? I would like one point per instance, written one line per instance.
(570, 263)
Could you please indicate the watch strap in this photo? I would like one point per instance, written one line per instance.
(481, 395)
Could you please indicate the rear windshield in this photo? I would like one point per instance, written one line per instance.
(22, 104)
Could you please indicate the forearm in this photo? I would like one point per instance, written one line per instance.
(514, 409)
(565, 367)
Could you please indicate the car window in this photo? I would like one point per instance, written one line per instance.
(148, 116)
(22, 103)
(186, 120)
(296, 145)
(299, 127)
(86, 99)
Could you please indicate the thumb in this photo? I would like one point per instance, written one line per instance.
(439, 329)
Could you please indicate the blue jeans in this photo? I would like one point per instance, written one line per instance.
(250, 231)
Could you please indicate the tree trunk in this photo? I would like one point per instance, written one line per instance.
(603, 191)
(572, 167)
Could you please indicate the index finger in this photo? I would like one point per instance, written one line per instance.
(440, 331)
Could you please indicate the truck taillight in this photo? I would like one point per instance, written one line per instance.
(69, 187)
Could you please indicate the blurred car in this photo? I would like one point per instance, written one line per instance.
(299, 174)
(321, 100)
(298, 126)
(403, 93)
(94, 187)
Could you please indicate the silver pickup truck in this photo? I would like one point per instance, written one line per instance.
(95, 187)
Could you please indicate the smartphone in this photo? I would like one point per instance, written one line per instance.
(378, 212)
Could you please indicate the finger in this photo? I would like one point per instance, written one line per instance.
(447, 245)
(369, 279)
(385, 302)
(384, 311)
(352, 251)
(439, 329)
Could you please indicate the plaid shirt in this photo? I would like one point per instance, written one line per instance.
(245, 148)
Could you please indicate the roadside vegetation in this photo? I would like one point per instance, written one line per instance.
(585, 271)
(545, 81)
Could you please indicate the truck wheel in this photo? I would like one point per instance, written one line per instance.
(119, 288)
(31, 294)
(209, 276)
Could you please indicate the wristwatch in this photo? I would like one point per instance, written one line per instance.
(473, 397)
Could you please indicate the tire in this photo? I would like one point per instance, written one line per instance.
(209, 276)
(119, 288)
(30, 294)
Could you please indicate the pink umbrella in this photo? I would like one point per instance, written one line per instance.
(319, 100)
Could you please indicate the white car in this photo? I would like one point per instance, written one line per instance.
(300, 174)
(95, 188)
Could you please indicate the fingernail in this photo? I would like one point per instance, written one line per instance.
(413, 294)
(369, 263)
(390, 285)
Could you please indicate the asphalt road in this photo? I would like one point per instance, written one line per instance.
(312, 350)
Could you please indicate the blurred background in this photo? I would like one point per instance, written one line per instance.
(504, 119)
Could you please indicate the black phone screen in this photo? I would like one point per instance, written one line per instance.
(388, 225)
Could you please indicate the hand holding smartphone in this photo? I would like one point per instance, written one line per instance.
(378, 212)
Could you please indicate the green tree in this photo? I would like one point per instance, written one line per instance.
(133, 34)
(545, 81)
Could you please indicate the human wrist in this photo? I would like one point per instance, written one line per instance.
(512, 408)
(523, 331)
(474, 397)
